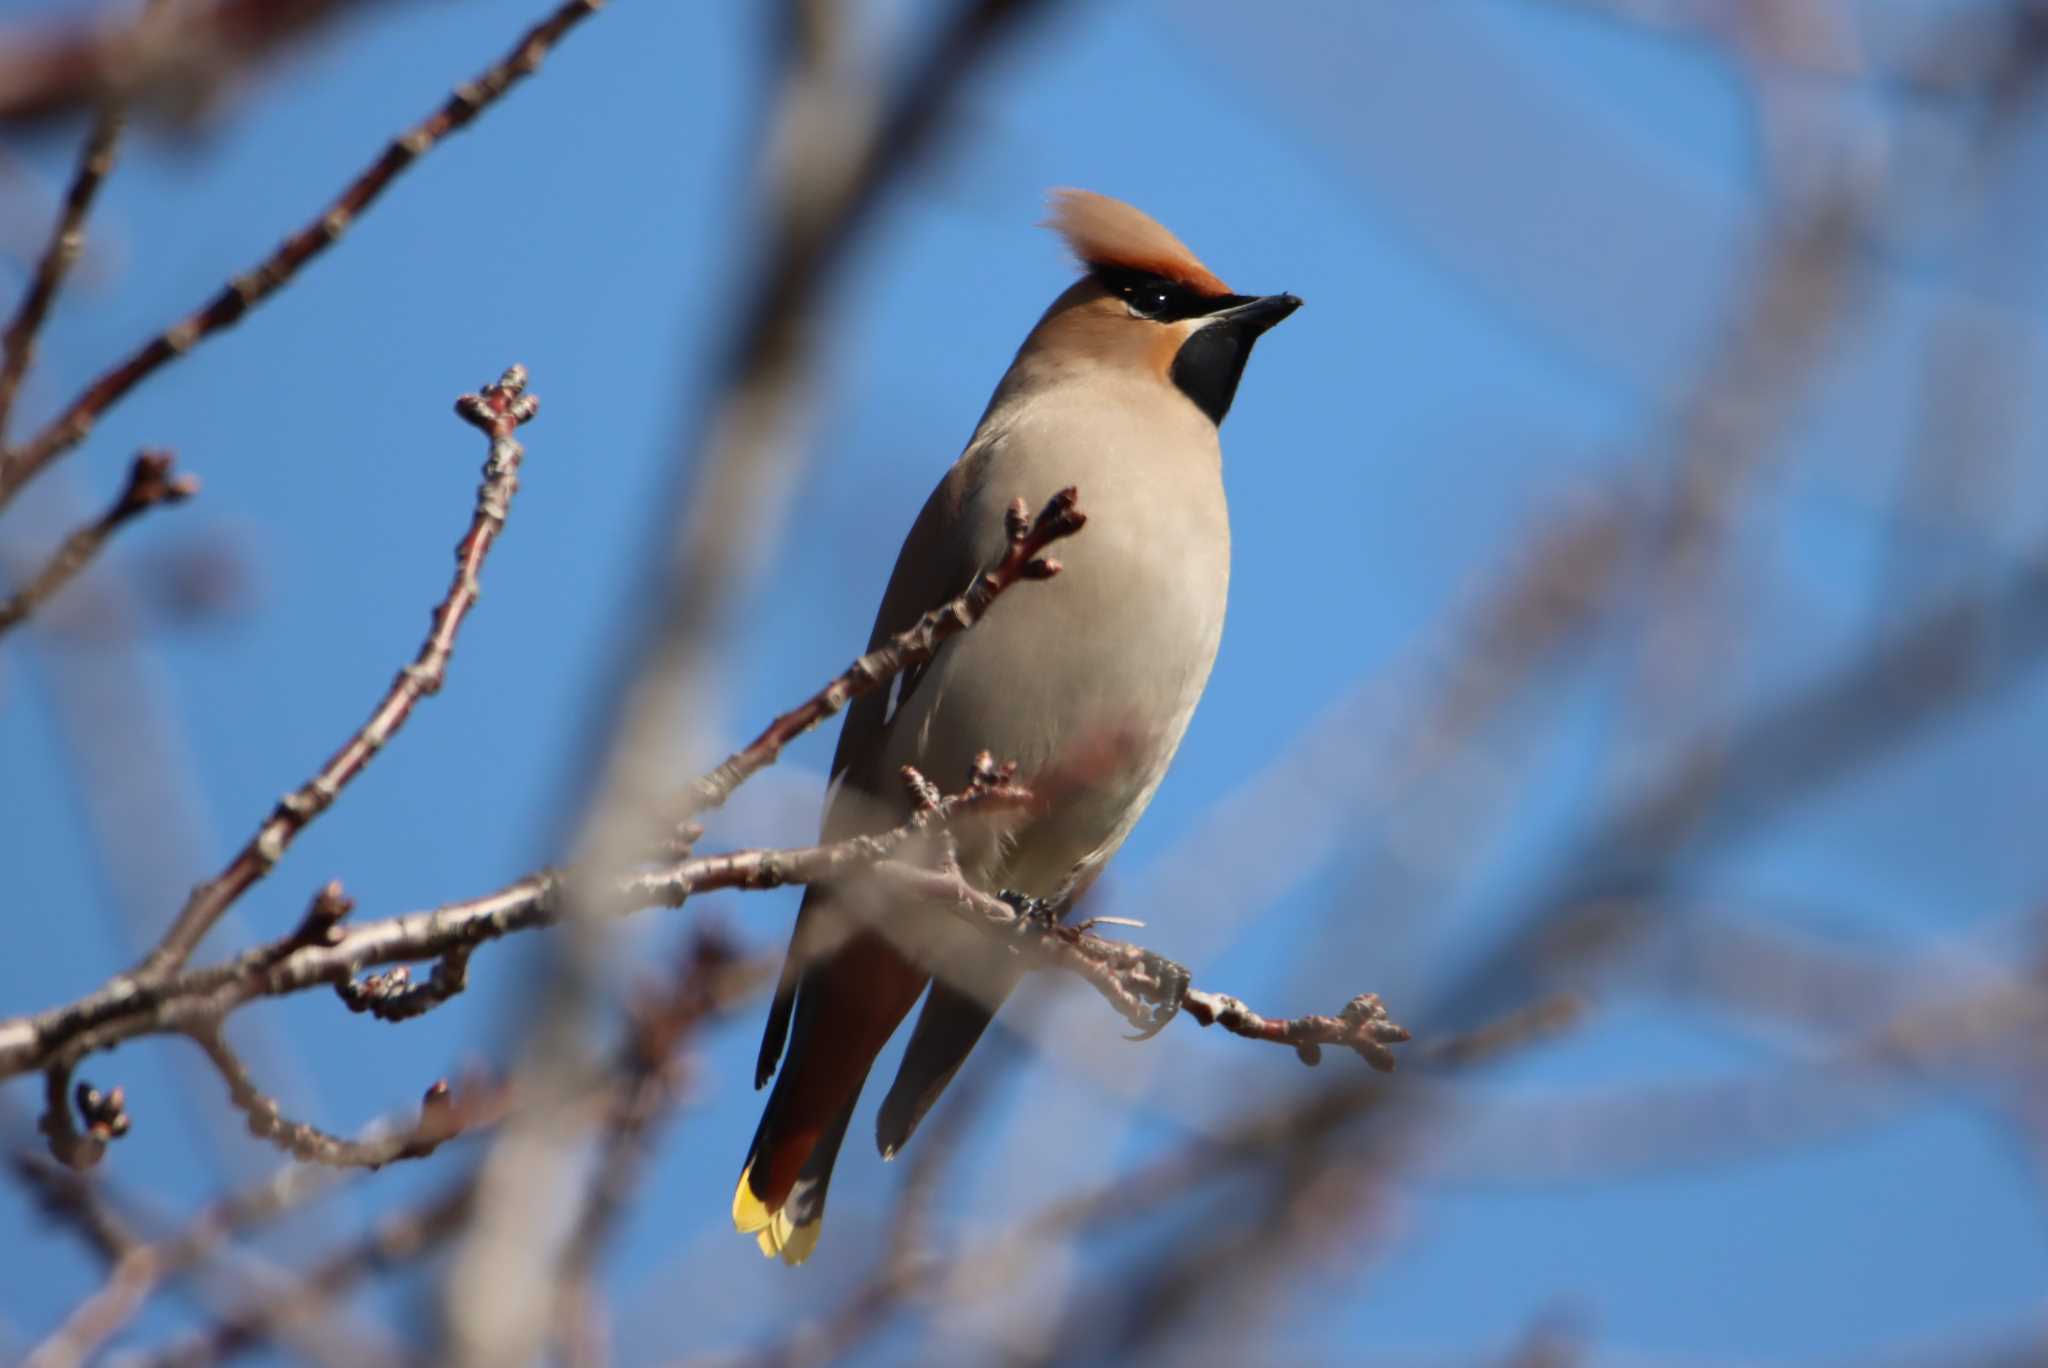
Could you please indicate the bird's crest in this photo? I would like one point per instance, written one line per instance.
(1107, 232)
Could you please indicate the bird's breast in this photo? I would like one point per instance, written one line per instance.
(1087, 681)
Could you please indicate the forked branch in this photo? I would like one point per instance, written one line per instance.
(150, 484)
(1025, 559)
(499, 411)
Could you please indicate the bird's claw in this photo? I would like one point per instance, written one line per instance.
(1165, 986)
(1152, 991)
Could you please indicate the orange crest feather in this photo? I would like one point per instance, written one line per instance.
(1107, 232)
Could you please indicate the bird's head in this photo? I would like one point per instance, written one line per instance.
(1149, 304)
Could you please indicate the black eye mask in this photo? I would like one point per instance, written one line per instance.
(1160, 299)
(1211, 362)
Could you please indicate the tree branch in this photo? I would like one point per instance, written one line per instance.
(402, 1235)
(246, 291)
(150, 485)
(67, 239)
(1029, 538)
(168, 56)
(651, 1076)
(125, 1007)
(105, 1115)
(499, 411)
(1147, 988)
(393, 996)
(629, 1092)
(444, 1114)
(142, 1267)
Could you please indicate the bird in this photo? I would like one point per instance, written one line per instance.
(1086, 684)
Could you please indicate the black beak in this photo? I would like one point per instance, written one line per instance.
(1211, 362)
(1258, 312)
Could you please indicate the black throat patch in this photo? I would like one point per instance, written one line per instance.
(1209, 365)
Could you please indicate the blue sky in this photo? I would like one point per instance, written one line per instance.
(1516, 228)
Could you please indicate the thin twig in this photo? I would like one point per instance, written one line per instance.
(251, 288)
(399, 1237)
(650, 1080)
(170, 58)
(1024, 559)
(406, 1235)
(105, 1115)
(445, 1112)
(1147, 988)
(150, 485)
(76, 1201)
(393, 996)
(60, 253)
(140, 1270)
(499, 411)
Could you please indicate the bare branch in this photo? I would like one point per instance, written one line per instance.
(123, 1008)
(443, 1115)
(499, 411)
(403, 1235)
(141, 1268)
(251, 288)
(1517, 1030)
(105, 1115)
(1147, 988)
(68, 1196)
(1024, 559)
(393, 996)
(650, 1080)
(322, 923)
(150, 485)
(67, 239)
(171, 56)
(1362, 1027)
(631, 1092)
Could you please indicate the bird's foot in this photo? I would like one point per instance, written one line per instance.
(1164, 984)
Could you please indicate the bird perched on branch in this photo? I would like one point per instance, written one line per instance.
(1086, 683)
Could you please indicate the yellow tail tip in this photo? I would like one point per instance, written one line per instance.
(749, 1213)
(777, 1234)
(798, 1241)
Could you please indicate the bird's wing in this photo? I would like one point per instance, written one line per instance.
(936, 563)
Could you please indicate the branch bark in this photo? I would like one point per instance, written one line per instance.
(172, 57)
(67, 239)
(1147, 988)
(150, 485)
(499, 411)
(1025, 559)
(20, 465)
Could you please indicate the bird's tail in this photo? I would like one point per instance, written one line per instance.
(845, 1008)
(788, 1229)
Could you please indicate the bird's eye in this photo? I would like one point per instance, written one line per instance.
(1147, 301)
